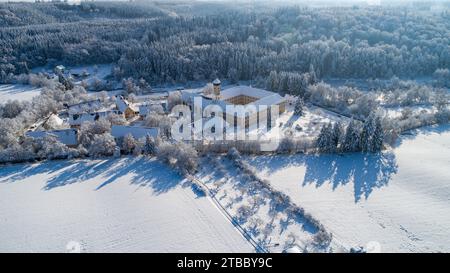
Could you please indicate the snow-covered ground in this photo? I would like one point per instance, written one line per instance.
(398, 201)
(17, 92)
(306, 126)
(116, 205)
(255, 210)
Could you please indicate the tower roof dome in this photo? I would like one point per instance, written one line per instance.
(216, 82)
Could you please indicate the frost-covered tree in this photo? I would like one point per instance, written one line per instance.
(174, 99)
(324, 141)
(442, 115)
(162, 122)
(128, 144)
(179, 155)
(208, 89)
(298, 107)
(367, 133)
(130, 87)
(351, 142)
(15, 153)
(116, 119)
(372, 134)
(139, 147)
(51, 148)
(272, 81)
(89, 130)
(336, 135)
(150, 145)
(12, 108)
(102, 145)
(442, 77)
(9, 129)
(378, 136)
(286, 145)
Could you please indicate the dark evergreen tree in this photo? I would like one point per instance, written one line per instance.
(298, 107)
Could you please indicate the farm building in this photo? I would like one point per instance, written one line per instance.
(256, 102)
(53, 122)
(68, 137)
(75, 120)
(126, 108)
(119, 131)
(85, 107)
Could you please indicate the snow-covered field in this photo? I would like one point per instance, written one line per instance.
(398, 201)
(117, 205)
(269, 224)
(17, 92)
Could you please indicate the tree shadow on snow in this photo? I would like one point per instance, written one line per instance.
(140, 171)
(365, 171)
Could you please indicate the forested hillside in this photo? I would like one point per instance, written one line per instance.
(160, 45)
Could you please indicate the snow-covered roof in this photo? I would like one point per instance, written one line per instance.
(65, 136)
(216, 82)
(78, 119)
(264, 97)
(87, 106)
(245, 90)
(53, 120)
(137, 132)
(123, 104)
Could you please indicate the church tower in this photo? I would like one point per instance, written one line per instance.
(216, 85)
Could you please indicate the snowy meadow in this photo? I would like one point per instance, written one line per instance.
(397, 198)
(344, 113)
(115, 205)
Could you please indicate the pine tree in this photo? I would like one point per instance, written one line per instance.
(128, 144)
(312, 75)
(336, 136)
(324, 140)
(378, 136)
(150, 146)
(298, 108)
(272, 81)
(366, 133)
(351, 141)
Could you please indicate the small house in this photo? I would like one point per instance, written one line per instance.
(53, 122)
(85, 106)
(126, 108)
(75, 120)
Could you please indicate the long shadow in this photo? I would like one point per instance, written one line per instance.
(139, 170)
(79, 171)
(156, 175)
(366, 171)
(17, 172)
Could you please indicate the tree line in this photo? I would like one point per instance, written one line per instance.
(151, 43)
